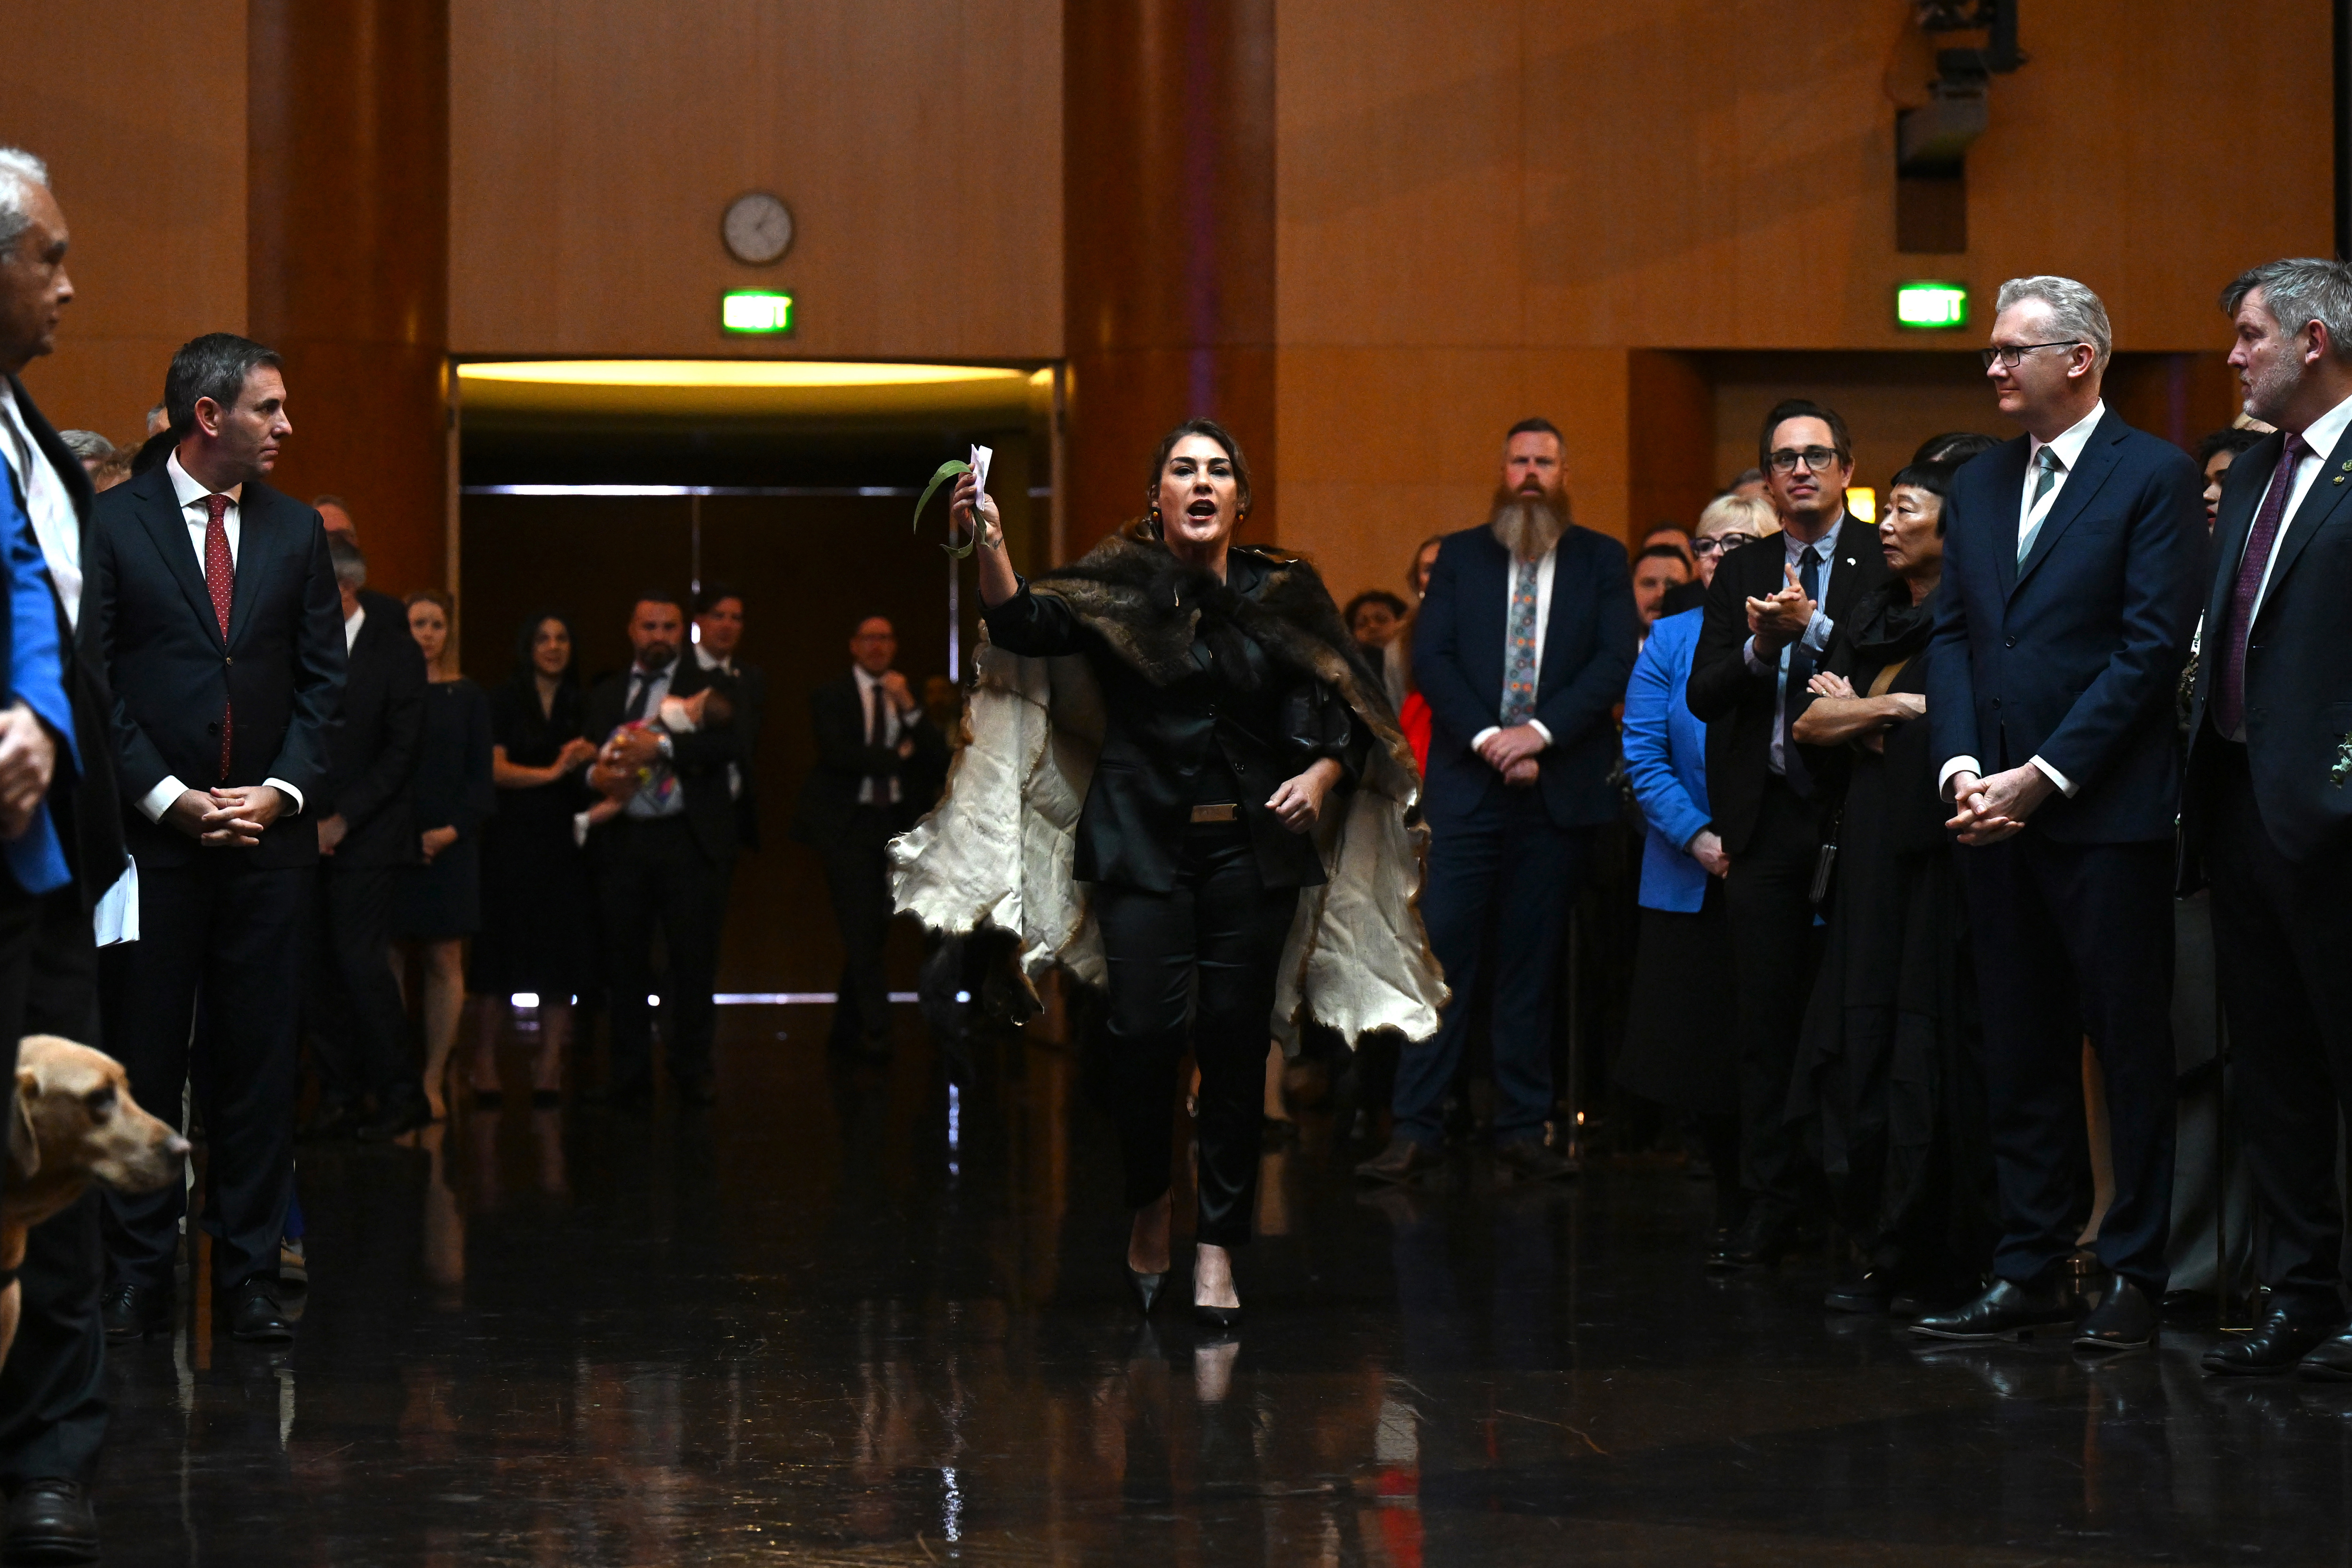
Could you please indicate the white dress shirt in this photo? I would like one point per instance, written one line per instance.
(47, 502)
(191, 495)
(1818, 631)
(352, 625)
(709, 660)
(1544, 570)
(2031, 515)
(869, 693)
(2321, 437)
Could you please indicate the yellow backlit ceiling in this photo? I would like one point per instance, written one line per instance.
(748, 389)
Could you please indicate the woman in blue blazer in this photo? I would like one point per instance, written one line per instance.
(1678, 1037)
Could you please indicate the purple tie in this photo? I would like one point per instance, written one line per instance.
(2229, 679)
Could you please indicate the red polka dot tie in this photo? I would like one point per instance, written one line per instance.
(220, 581)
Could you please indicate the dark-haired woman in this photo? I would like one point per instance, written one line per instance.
(1235, 715)
(535, 936)
(1888, 1058)
(441, 897)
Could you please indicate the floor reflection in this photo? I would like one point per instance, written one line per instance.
(851, 1315)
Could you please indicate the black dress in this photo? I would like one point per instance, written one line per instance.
(1887, 1067)
(442, 899)
(536, 934)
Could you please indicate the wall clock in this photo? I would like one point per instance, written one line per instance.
(758, 228)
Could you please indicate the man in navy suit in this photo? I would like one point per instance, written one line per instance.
(2266, 812)
(2071, 557)
(1523, 644)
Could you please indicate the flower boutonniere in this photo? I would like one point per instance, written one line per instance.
(2343, 768)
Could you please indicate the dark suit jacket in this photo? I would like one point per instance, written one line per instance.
(372, 756)
(89, 818)
(1735, 702)
(281, 665)
(2299, 664)
(2075, 655)
(1589, 636)
(843, 762)
(751, 694)
(699, 758)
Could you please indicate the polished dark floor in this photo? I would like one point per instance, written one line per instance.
(857, 1317)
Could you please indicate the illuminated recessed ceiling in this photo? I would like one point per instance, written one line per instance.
(729, 372)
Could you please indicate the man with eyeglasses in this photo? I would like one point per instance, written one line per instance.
(2071, 564)
(1770, 612)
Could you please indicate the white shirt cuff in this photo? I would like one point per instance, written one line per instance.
(1754, 665)
(1957, 766)
(1537, 726)
(288, 790)
(1818, 632)
(157, 801)
(2065, 786)
(1479, 738)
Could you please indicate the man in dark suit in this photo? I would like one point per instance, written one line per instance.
(873, 745)
(366, 839)
(52, 1389)
(667, 734)
(718, 621)
(224, 639)
(1524, 641)
(1770, 612)
(2071, 563)
(2266, 810)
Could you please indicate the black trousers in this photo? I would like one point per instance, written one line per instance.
(857, 875)
(1500, 887)
(1222, 926)
(234, 932)
(357, 1022)
(53, 1387)
(654, 878)
(2283, 943)
(2075, 939)
(1775, 949)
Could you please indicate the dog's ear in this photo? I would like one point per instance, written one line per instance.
(24, 1144)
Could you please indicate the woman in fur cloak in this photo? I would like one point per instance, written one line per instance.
(1244, 833)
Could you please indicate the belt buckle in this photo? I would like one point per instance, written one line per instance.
(1228, 812)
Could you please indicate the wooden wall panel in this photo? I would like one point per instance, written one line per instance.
(155, 259)
(595, 144)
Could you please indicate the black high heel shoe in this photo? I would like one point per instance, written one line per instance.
(1146, 1288)
(1224, 1319)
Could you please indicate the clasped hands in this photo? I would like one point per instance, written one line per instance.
(1784, 616)
(1512, 752)
(1993, 808)
(233, 816)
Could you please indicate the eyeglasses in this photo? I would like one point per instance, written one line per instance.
(1725, 543)
(2011, 356)
(1816, 459)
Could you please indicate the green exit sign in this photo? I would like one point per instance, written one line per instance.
(1931, 306)
(755, 310)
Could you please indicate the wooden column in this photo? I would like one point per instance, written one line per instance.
(347, 269)
(1168, 192)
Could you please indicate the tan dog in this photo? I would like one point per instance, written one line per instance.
(74, 1122)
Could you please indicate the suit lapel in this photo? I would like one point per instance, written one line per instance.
(2321, 502)
(2005, 464)
(1485, 614)
(2098, 460)
(159, 514)
(260, 542)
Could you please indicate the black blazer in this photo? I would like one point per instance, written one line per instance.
(843, 762)
(1269, 723)
(1735, 702)
(2075, 655)
(281, 666)
(1589, 636)
(89, 818)
(372, 755)
(699, 758)
(2298, 664)
(751, 694)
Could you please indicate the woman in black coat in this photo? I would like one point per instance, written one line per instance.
(1217, 757)
(536, 940)
(441, 897)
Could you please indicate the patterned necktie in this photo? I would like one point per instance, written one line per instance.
(1800, 670)
(2048, 468)
(220, 582)
(1519, 673)
(2229, 679)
